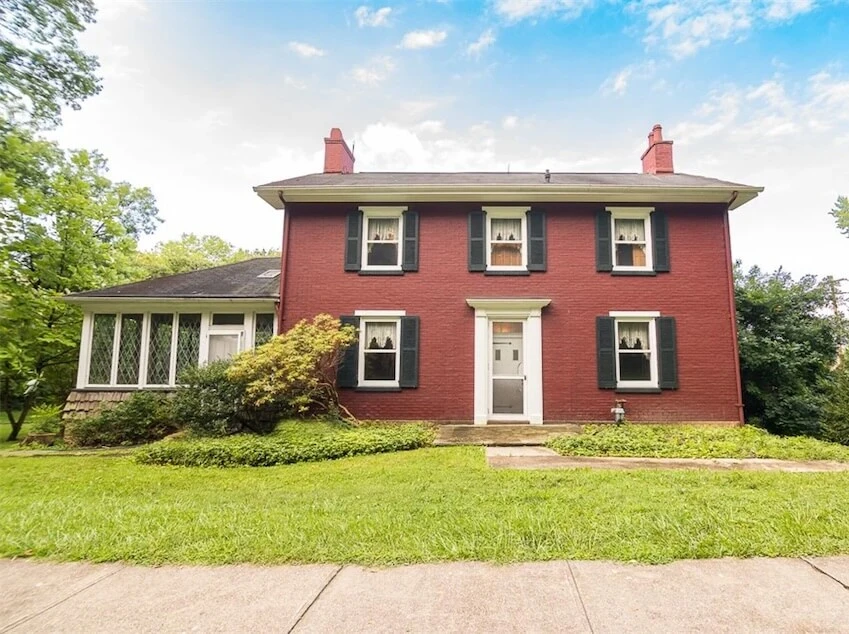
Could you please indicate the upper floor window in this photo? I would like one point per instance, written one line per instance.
(507, 247)
(382, 240)
(631, 239)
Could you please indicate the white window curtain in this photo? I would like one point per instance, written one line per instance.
(633, 336)
(223, 347)
(383, 229)
(506, 229)
(380, 336)
(631, 230)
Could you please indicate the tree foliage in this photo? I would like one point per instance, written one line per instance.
(835, 422)
(789, 339)
(192, 253)
(840, 211)
(297, 370)
(42, 66)
(64, 227)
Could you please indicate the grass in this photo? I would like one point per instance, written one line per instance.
(426, 505)
(681, 441)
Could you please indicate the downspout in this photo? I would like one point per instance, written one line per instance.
(284, 258)
(732, 307)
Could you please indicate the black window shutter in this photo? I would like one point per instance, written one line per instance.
(536, 240)
(410, 260)
(660, 241)
(668, 353)
(606, 350)
(603, 242)
(477, 241)
(346, 375)
(409, 352)
(353, 243)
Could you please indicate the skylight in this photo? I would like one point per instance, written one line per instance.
(269, 274)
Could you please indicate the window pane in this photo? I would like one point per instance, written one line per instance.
(228, 319)
(129, 350)
(506, 229)
(634, 366)
(630, 230)
(380, 335)
(506, 255)
(385, 229)
(102, 338)
(507, 327)
(223, 347)
(188, 342)
(633, 335)
(507, 396)
(159, 348)
(379, 366)
(264, 328)
(630, 255)
(382, 254)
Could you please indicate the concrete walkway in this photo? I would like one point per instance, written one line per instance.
(544, 458)
(725, 595)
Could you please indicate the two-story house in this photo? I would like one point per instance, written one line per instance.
(478, 297)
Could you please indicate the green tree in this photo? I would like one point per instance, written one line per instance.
(41, 65)
(841, 214)
(835, 422)
(192, 253)
(64, 227)
(789, 340)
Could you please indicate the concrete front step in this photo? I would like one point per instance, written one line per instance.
(501, 434)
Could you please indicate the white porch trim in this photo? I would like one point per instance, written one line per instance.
(529, 310)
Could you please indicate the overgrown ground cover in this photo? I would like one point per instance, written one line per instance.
(682, 441)
(434, 504)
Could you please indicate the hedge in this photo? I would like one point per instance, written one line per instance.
(265, 451)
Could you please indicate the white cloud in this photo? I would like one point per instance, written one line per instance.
(375, 72)
(510, 122)
(416, 108)
(430, 126)
(516, 10)
(787, 9)
(423, 39)
(619, 82)
(486, 39)
(369, 17)
(306, 50)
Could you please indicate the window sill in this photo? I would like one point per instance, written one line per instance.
(363, 388)
(507, 272)
(637, 390)
(380, 272)
(634, 273)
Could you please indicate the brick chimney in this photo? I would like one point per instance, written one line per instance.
(338, 158)
(658, 158)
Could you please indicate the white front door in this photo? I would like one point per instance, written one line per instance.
(507, 369)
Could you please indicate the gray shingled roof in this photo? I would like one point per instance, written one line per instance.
(230, 281)
(589, 179)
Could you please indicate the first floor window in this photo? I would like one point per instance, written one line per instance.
(223, 346)
(634, 351)
(188, 343)
(159, 349)
(263, 328)
(102, 346)
(129, 350)
(380, 351)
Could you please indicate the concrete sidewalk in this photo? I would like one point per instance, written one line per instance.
(725, 595)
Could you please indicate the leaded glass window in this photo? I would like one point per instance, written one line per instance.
(159, 348)
(264, 328)
(102, 340)
(188, 342)
(129, 349)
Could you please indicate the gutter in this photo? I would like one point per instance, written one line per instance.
(284, 259)
(88, 299)
(732, 308)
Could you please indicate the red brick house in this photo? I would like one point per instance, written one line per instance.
(492, 297)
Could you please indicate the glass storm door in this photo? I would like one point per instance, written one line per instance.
(508, 373)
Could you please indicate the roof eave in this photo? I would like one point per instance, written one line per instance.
(89, 299)
(735, 196)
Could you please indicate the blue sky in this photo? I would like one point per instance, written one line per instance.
(202, 100)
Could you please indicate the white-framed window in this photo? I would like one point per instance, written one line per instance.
(636, 349)
(506, 238)
(226, 336)
(382, 238)
(631, 231)
(380, 361)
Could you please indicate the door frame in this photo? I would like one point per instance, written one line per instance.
(529, 311)
(491, 361)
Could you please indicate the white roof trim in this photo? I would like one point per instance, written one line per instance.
(507, 194)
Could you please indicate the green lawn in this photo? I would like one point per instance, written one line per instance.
(435, 504)
(692, 441)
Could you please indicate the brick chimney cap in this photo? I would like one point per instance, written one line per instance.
(336, 134)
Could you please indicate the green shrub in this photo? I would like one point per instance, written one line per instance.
(265, 451)
(210, 403)
(144, 417)
(690, 441)
(835, 420)
(45, 419)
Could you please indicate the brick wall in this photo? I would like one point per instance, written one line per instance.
(695, 292)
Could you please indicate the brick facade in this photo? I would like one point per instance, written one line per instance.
(695, 292)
